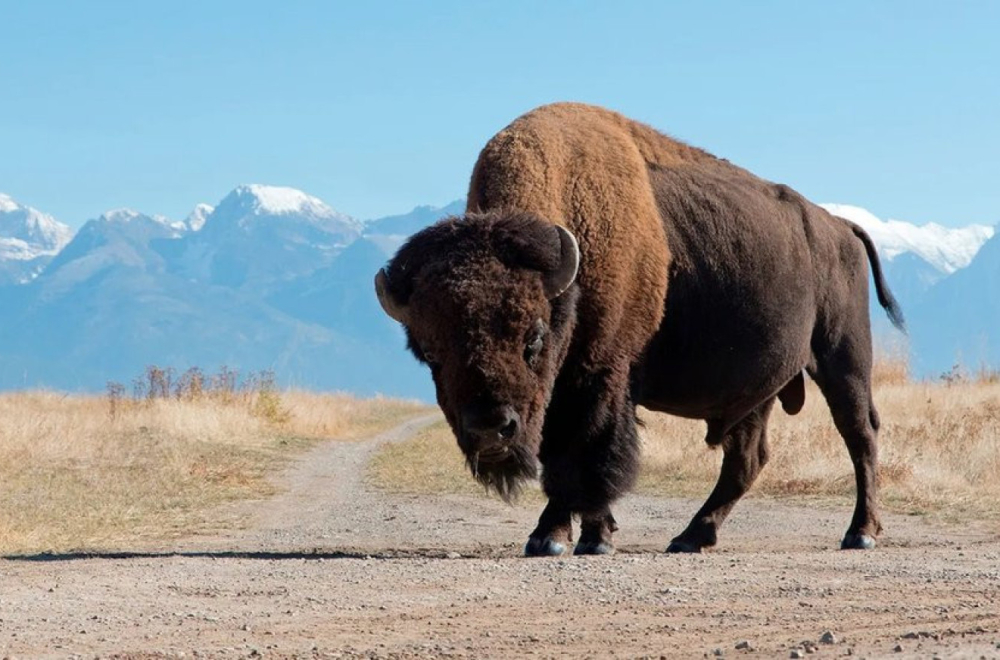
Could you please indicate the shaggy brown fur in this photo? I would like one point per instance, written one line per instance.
(702, 291)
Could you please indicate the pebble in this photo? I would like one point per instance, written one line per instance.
(828, 638)
(796, 653)
(744, 645)
(898, 648)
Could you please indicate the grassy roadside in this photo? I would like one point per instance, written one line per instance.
(80, 471)
(939, 454)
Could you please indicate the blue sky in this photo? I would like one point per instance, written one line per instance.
(376, 107)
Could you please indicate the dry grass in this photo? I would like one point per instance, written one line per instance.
(74, 475)
(321, 416)
(939, 444)
(430, 463)
(939, 451)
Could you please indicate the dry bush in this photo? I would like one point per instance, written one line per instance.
(81, 471)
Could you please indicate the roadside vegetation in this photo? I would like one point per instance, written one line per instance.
(939, 451)
(149, 461)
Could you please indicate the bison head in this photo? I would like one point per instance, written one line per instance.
(488, 303)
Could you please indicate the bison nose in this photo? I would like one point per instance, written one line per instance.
(495, 427)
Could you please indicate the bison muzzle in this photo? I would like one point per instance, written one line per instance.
(601, 265)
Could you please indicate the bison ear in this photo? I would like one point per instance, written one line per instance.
(385, 297)
(558, 280)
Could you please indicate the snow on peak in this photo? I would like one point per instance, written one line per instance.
(27, 233)
(125, 216)
(196, 219)
(279, 200)
(8, 205)
(947, 249)
(248, 202)
(120, 215)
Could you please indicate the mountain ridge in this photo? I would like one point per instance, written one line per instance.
(274, 278)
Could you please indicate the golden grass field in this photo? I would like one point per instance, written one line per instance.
(939, 452)
(91, 471)
(96, 471)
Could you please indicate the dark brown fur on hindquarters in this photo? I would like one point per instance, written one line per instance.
(684, 283)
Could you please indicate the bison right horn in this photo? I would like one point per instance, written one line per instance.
(557, 281)
(389, 304)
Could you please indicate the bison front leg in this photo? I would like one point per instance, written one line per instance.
(554, 534)
(589, 459)
(746, 453)
(596, 531)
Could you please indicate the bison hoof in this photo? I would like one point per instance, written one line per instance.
(593, 548)
(546, 547)
(677, 545)
(858, 542)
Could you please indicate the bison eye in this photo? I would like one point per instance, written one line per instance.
(535, 343)
(429, 358)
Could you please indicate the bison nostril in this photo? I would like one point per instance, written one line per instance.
(491, 428)
(509, 430)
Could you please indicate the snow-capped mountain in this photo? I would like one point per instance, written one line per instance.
(261, 234)
(259, 286)
(274, 278)
(957, 321)
(916, 259)
(252, 205)
(119, 239)
(946, 249)
(29, 239)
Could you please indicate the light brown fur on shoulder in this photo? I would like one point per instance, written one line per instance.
(586, 168)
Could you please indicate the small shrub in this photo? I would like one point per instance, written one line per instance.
(256, 391)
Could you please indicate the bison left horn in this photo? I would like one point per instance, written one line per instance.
(389, 304)
(557, 281)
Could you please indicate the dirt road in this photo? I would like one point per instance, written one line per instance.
(331, 569)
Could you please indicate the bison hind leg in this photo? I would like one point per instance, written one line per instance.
(746, 453)
(844, 377)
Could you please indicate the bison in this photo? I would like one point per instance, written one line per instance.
(602, 265)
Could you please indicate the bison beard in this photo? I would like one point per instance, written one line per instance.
(506, 476)
(694, 288)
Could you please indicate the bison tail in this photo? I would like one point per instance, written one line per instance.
(885, 297)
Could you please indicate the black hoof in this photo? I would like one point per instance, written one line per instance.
(683, 546)
(546, 547)
(591, 548)
(857, 542)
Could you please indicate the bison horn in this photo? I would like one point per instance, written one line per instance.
(557, 281)
(389, 304)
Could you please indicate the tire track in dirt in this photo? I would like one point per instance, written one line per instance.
(322, 492)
